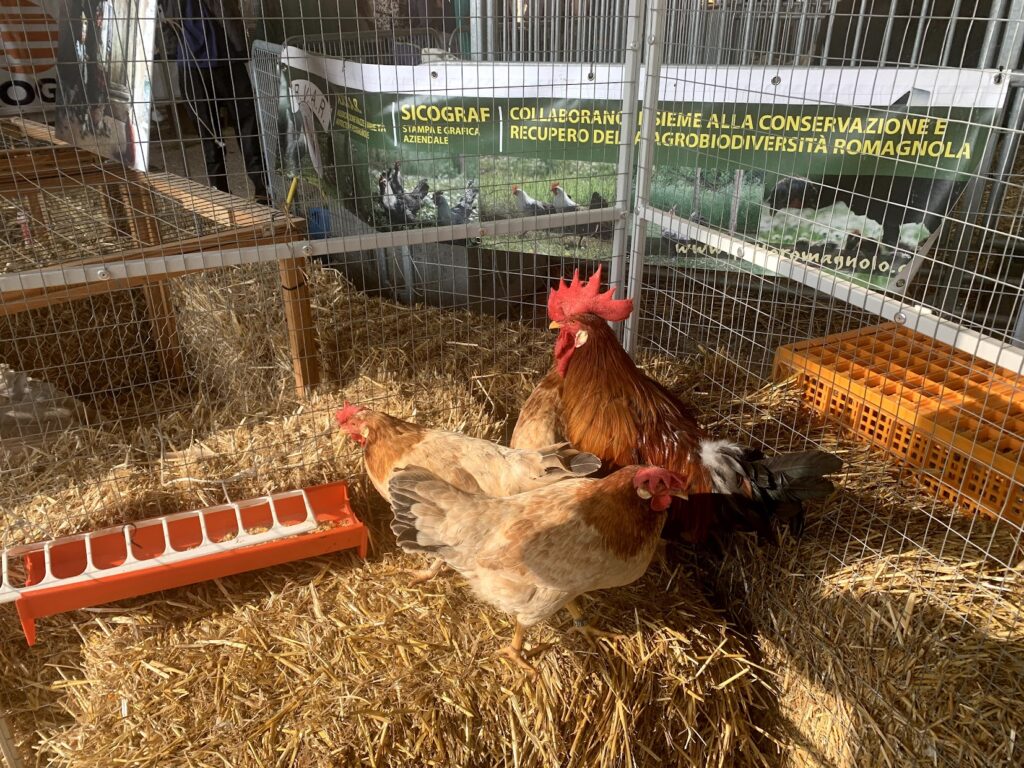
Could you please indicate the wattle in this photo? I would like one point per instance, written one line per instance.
(565, 345)
(661, 503)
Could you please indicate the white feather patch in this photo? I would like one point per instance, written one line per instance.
(719, 457)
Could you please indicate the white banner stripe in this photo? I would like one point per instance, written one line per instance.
(931, 88)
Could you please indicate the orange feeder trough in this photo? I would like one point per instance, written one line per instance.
(51, 577)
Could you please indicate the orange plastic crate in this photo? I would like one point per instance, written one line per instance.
(957, 421)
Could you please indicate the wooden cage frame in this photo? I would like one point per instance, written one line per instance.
(54, 165)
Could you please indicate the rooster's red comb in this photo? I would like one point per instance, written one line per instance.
(580, 298)
(347, 412)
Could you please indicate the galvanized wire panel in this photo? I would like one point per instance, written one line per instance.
(238, 328)
(715, 277)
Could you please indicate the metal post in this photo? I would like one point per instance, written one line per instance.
(1012, 43)
(492, 30)
(828, 39)
(773, 33)
(408, 275)
(883, 55)
(915, 55)
(737, 199)
(855, 52)
(476, 29)
(798, 46)
(947, 41)
(7, 746)
(1007, 153)
(627, 136)
(989, 45)
(645, 165)
(1003, 50)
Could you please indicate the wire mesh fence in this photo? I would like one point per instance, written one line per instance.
(229, 218)
(931, 399)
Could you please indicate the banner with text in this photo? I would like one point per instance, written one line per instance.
(851, 170)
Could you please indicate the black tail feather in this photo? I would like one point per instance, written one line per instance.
(783, 483)
(794, 477)
(752, 490)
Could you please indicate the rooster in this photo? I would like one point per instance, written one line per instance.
(603, 230)
(596, 398)
(401, 207)
(461, 212)
(412, 201)
(561, 200)
(396, 212)
(396, 178)
(529, 205)
(470, 464)
(533, 554)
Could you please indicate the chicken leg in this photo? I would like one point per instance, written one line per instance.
(418, 577)
(515, 653)
(590, 633)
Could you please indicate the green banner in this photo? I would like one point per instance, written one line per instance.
(850, 170)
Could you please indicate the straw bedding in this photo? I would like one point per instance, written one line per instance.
(896, 634)
(336, 662)
(331, 661)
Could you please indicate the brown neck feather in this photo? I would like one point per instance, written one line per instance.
(389, 440)
(614, 410)
(625, 521)
(600, 374)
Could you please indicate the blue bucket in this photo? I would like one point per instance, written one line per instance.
(318, 223)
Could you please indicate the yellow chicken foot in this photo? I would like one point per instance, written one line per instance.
(515, 653)
(590, 634)
(418, 577)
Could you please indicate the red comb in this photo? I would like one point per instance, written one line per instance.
(347, 412)
(670, 479)
(578, 298)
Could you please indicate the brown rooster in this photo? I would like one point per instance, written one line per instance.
(470, 464)
(596, 398)
(534, 553)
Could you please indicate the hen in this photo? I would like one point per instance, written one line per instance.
(532, 554)
(561, 200)
(596, 398)
(461, 212)
(470, 464)
(529, 205)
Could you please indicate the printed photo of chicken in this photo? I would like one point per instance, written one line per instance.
(831, 224)
(400, 206)
(462, 211)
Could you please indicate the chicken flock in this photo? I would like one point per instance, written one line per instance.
(404, 207)
(603, 463)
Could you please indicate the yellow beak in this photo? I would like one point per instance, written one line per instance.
(554, 324)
